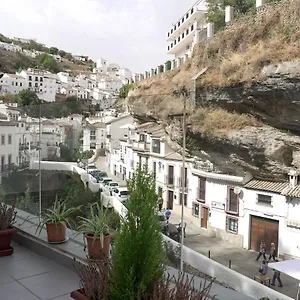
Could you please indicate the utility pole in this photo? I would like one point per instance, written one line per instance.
(183, 179)
(40, 170)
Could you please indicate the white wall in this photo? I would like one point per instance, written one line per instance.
(6, 149)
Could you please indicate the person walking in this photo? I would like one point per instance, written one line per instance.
(184, 227)
(272, 252)
(276, 275)
(167, 214)
(160, 202)
(262, 251)
(263, 269)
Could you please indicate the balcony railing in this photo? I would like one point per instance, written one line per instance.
(169, 180)
(186, 184)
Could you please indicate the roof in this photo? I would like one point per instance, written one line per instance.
(63, 123)
(5, 123)
(3, 116)
(118, 118)
(269, 186)
(98, 125)
(292, 191)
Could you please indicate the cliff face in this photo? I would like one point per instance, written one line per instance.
(246, 114)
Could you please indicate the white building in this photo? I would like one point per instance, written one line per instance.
(94, 137)
(42, 82)
(10, 110)
(110, 85)
(101, 66)
(8, 147)
(124, 75)
(12, 84)
(188, 31)
(10, 47)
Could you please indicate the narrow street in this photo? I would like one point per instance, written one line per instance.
(242, 260)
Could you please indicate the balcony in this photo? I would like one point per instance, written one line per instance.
(141, 146)
(193, 15)
(180, 181)
(170, 181)
(23, 147)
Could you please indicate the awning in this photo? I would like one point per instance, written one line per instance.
(290, 267)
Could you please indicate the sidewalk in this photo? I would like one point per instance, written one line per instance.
(242, 260)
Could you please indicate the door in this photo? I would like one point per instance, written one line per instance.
(204, 217)
(263, 229)
(170, 199)
(154, 169)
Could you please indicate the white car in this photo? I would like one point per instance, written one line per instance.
(110, 186)
(121, 193)
(104, 182)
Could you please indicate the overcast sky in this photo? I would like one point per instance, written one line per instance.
(131, 33)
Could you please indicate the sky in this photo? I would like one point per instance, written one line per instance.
(131, 33)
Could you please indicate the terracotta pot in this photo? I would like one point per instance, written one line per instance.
(56, 232)
(95, 249)
(78, 295)
(6, 237)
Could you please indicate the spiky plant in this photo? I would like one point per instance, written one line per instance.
(96, 224)
(59, 213)
(7, 216)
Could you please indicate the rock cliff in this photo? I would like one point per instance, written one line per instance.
(246, 112)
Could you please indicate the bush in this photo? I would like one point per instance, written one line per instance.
(138, 256)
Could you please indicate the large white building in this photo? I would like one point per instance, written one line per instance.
(41, 82)
(238, 209)
(11, 84)
(188, 31)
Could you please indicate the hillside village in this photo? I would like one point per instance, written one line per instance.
(241, 179)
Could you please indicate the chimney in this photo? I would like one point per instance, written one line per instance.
(293, 178)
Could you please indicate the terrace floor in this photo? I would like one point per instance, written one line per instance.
(28, 276)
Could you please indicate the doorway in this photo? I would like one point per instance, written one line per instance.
(204, 217)
(170, 199)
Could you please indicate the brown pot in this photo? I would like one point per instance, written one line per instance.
(6, 237)
(78, 295)
(95, 249)
(56, 232)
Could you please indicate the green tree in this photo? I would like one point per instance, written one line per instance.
(27, 97)
(124, 90)
(47, 62)
(27, 204)
(69, 56)
(138, 256)
(62, 53)
(53, 50)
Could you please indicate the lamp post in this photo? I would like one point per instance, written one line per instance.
(40, 172)
(183, 179)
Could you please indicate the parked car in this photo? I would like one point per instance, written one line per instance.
(121, 193)
(110, 186)
(91, 168)
(163, 222)
(104, 182)
(99, 175)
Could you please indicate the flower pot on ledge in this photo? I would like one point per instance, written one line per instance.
(5, 241)
(95, 249)
(56, 232)
(78, 295)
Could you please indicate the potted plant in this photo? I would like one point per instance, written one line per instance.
(56, 220)
(96, 231)
(7, 219)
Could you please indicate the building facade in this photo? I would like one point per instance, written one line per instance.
(188, 31)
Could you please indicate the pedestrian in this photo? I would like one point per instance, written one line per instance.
(184, 227)
(272, 252)
(276, 275)
(160, 202)
(263, 269)
(167, 214)
(262, 251)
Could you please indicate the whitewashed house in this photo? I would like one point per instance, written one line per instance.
(12, 84)
(10, 110)
(10, 47)
(94, 137)
(8, 147)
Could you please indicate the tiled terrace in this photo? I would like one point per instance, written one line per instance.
(28, 276)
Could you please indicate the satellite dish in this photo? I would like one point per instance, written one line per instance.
(237, 190)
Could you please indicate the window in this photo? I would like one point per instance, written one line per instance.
(185, 177)
(41, 84)
(192, 27)
(36, 79)
(2, 139)
(195, 209)
(93, 132)
(142, 138)
(2, 162)
(201, 189)
(232, 201)
(21, 84)
(182, 20)
(12, 83)
(156, 146)
(171, 31)
(41, 79)
(9, 139)
(232, 224)
(9, 160)
(187, 15)
(92, 145)
(192, 10)
(16, 84)
(182, 35)
(36, 84)
(264, 199)
(30, 78)
(30, 84)
(187, 31)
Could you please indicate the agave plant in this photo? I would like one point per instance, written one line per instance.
(96, 224)
(7, 216)
(59, 213)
